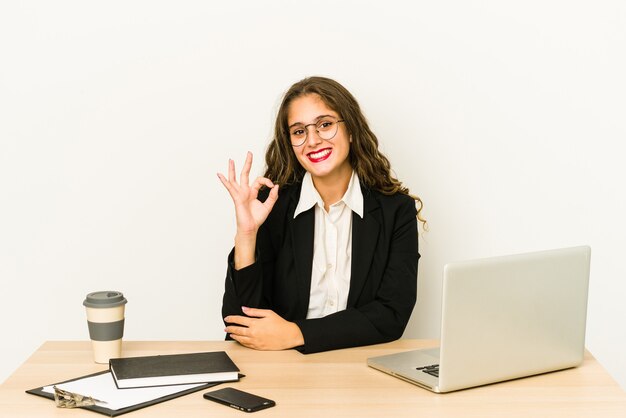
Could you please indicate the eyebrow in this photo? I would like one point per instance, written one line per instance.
(316, 120)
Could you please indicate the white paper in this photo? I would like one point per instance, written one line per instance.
(102, 387)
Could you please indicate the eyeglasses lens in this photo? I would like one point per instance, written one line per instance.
(325, 128)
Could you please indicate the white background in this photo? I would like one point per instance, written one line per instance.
(507, 118)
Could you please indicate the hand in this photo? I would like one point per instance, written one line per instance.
(263, 329)
(250, 212)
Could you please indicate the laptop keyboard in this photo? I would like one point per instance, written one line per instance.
(432, 370)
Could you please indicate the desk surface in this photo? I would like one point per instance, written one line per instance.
(324, 385)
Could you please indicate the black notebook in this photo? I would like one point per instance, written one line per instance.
(173, 369)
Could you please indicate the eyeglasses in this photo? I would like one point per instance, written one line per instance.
(326, 129)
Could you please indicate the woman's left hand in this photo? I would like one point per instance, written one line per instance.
(263, 329)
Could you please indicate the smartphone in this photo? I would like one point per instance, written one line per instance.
(239, 399)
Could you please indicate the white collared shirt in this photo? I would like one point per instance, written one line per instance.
(332, 246)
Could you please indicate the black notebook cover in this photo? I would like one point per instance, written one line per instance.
(173, 369)
(115, 412)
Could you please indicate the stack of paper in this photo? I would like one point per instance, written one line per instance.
(137, 382)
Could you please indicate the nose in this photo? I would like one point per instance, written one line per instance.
(312, 137)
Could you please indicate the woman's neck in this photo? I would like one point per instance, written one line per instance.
(332, 189)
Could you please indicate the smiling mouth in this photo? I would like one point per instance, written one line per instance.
(320, 155)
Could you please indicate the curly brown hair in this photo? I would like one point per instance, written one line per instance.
(372, 167)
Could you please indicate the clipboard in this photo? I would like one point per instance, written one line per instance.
(184, 390)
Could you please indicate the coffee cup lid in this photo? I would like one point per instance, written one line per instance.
(104, 299)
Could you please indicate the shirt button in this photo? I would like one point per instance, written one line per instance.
(331, 303)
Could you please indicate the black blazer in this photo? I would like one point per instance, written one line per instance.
(383, 283)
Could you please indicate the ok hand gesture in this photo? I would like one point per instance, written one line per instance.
(250, 212)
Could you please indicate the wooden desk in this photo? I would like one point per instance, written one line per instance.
(324, 385)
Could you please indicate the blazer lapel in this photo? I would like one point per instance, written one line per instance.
(365, 233)
(302, 230)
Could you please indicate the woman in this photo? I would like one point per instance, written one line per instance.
(330, 260)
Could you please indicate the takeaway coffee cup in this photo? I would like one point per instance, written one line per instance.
(105, 318)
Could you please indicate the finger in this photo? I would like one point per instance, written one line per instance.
(258, 183)
(245, 171)
(271, 198)
(255, 313)
(232, 188)
(239, 320)
(226, 183)
(235, 330)
(245, 341)
(262, 181)
(231, 171)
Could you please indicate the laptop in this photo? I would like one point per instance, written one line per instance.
(503, 318)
